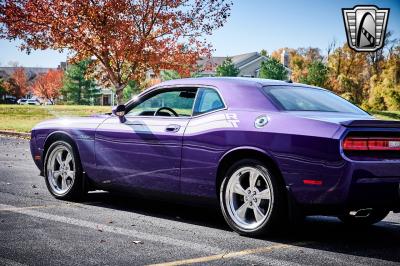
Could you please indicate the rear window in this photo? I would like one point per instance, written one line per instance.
(292, 98)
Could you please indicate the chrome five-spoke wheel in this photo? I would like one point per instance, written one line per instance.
(248, 198)
(63, 171)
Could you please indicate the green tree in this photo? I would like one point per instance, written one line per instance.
(131, 90)
(317, 74)
(169, 75)
(264, 52)
(227, 69)
(273, 69)
(77, 89)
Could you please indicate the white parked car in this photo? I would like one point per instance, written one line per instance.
(32, 102)
(22, 101)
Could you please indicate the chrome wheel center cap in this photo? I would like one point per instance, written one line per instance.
(251, 197)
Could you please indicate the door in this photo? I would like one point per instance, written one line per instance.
(145, 150)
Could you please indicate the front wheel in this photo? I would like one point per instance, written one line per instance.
(252, 199)
(63, 171)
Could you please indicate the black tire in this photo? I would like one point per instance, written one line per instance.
(374, 217)
(77, 191)
(278, 213)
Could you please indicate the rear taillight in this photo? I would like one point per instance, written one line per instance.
(371, 144)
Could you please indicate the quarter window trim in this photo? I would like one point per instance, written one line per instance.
(211, 111)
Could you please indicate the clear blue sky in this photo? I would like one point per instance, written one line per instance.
(252, 26)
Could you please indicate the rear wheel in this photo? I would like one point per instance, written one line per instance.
(63, 171)
(251, 199)
(374, 216)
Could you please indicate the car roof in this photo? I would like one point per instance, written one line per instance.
(215, 81)
(237, 92)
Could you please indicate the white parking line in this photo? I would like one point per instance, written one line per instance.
(110, 229)
(35, 207)
(8, 262)
(136, 234)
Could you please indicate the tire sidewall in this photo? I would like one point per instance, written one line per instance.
(77, 187)
(278, 206)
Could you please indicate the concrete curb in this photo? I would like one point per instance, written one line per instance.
(15, 134)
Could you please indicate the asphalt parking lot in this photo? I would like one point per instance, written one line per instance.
(108, 229)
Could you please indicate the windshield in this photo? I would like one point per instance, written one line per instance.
(292, 98)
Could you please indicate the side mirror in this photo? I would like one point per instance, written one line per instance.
(120, 112)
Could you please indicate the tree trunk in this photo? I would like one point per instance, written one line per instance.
(79, 92)
(119, 90)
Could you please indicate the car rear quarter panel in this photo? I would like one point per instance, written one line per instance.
(301, 148)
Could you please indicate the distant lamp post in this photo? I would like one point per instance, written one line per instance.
(285, 58)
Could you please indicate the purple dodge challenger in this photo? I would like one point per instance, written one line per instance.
(265, 150)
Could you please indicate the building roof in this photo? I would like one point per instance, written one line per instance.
(209, 64)
(31, 72)
(242, 59)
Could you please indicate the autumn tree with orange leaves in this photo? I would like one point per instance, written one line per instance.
(125, 38)
(48, 85)
(17, 83)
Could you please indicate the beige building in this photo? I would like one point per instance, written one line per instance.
(248, 64)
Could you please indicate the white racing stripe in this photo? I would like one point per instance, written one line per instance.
(135, 234)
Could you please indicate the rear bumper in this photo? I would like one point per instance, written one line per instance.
(356, 185)
(374, 184)
(378, 194)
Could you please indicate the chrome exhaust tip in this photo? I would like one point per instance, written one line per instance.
(362, 213)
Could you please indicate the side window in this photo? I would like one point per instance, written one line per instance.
(207, 100)
(180, 101)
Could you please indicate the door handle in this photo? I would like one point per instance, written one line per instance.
(172, 128)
